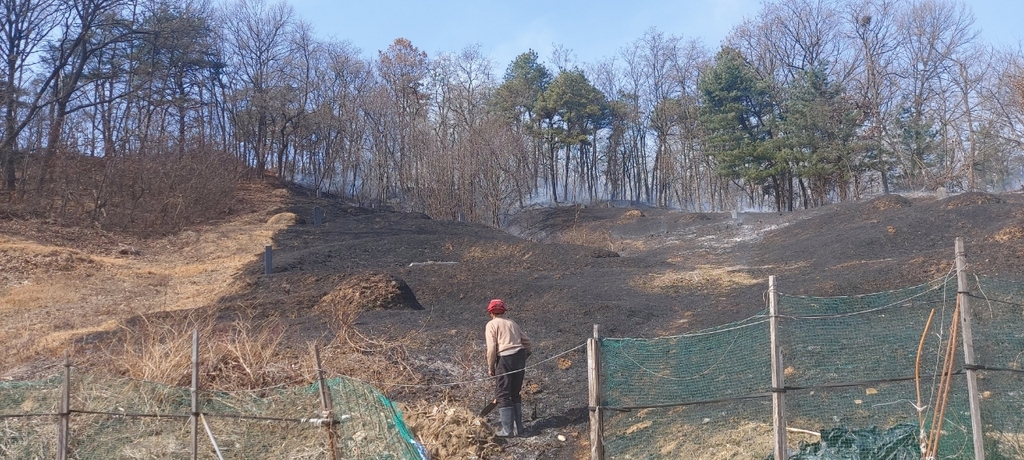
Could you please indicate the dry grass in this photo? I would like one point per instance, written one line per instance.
(712, 441)
(498, 251)
(243, 355)
(449, 430)
(704, 277)
(1011, 233)
(1010, 445)
(51, 295)
(631, 216)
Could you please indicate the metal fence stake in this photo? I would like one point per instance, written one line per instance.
(326, 402)
(65, 412)
(194, 421)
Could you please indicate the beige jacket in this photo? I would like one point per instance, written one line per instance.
(504, 337)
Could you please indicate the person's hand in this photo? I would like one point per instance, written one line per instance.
(490, 372)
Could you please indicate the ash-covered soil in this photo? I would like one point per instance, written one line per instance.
(634, 271)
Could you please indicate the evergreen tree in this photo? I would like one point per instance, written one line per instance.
(738, 111)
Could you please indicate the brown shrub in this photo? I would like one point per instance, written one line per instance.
(155, 193)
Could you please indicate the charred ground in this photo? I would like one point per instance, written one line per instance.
(374, 278)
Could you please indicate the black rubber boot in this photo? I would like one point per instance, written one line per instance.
(518, 420)
(507, 430)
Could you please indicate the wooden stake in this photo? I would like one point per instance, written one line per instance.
(594, 386)
(194, 421)
(65, 412)
(973, 395)
(921, 439)
(778, 374)
(945, 383)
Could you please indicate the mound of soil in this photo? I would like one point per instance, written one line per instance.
(286, 218)
(970, 199)
(889, 202)
(371, 291)
(631, 215)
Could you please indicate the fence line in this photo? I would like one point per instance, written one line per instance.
(804, 360)
(325, 417)
(397, 445)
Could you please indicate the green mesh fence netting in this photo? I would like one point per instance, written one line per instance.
(852, 362)
(716, 383)
(997, 311)
(851, 365)
(26, 433)
(115, 418)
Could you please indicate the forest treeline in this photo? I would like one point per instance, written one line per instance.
(142, 113)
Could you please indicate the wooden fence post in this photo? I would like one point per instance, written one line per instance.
(65, 412)
(594, 379)
(968, 339)
(778, 374)
(326, 402)
(195, 395)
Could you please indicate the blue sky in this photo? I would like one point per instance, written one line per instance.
(591, 29)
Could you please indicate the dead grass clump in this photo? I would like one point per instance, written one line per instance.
(631, 216)
(243, 355)
(889, 202)
(28, 258)
(1013, 232)
(449, 431)
(284, 218)
(970, 199)
(372, 291)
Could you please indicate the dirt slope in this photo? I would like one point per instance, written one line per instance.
(421, 285)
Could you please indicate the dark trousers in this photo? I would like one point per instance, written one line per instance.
(510, 382)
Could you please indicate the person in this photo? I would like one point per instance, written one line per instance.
(507, 350)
